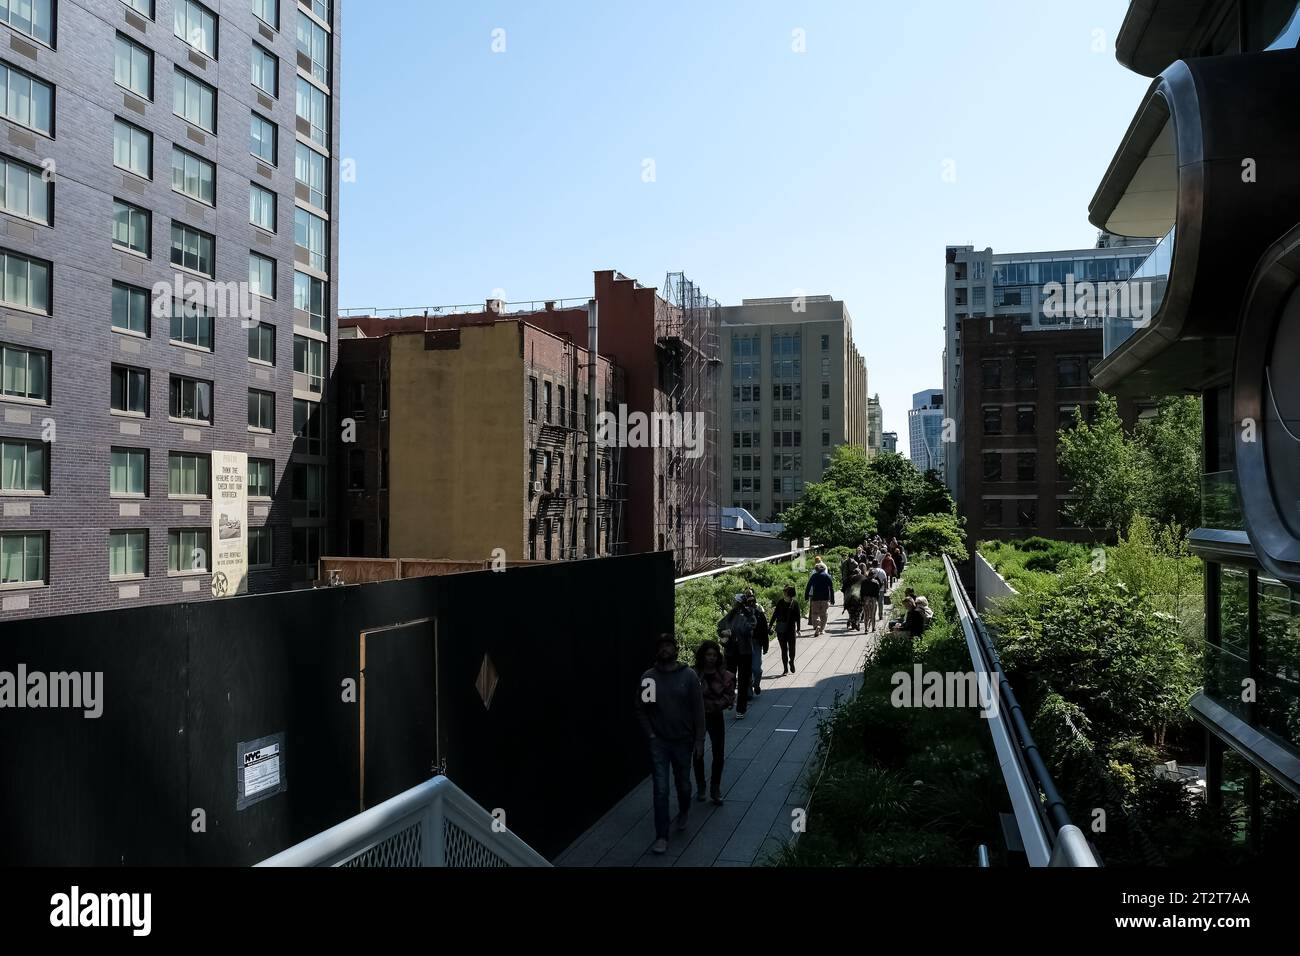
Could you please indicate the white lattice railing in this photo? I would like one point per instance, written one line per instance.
(434, 824)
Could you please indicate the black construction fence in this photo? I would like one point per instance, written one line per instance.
(233, 729)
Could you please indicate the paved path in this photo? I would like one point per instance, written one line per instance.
(769, 755)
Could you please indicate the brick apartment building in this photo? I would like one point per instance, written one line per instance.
(188, 142)
(468, 437)
(1020, 386)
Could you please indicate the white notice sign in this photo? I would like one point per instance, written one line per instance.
(261, 769)
(229, 523)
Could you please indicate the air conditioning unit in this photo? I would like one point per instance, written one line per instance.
(537, 487)
(383, 416)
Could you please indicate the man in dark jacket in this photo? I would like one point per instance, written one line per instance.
(671, 713)
(736, 632)
(761, 640)
(820, 594)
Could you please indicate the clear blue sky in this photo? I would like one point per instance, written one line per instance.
(775, 171)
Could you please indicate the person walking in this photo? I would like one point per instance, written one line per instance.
(891, 571)
(761, 640)
(718, 688)
(878, 573)
(736, 631)
(847, 568)
(786, 621)
(853, 597)
(671, 712)
(871, 599)
(820, 595)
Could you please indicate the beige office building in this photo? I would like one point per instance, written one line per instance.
(794, 387)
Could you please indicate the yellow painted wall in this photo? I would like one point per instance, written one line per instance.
(456, 462)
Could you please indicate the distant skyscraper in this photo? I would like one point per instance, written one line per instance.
(889, 443)
(875, 425)
(925, 430)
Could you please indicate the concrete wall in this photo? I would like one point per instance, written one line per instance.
(989, 585)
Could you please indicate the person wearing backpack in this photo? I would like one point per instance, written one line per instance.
(761, 640)
(736, 631)
(718, 685)
(786, 621)
(871, 594)
(820, 595)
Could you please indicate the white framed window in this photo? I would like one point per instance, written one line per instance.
(128, 473)
(23, 557)
(194, 176)
(261, 343)
(194, 101)
(34, 18)
(189, 475)
(261, 207)
(319, 7)
(311, 170)
(132, 148)
(311, 232)
(188, 551)
(309, 360)
(266, 71)
(132, 66)
(196, 25)
(263, 140)
(308, 427)
(26, 282)
(128, 555)
(192, 249)
(309, 296)
(308, 490)
(268, 11)
(24, 374)
(141, 6)
(261, 478)
(130, 390)
(261, 551)
(190, 399)
(23, 467)
(24, 191)
(261, 410)
(191, 325)
(261, 275)
(131, 227)
(130, 309)
(27, 100)
(313, 107)
(314, 44)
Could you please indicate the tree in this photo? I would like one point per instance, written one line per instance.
(936, 534)
(907, 493)
(1103, 468)
(1170, 451)
(830, 515)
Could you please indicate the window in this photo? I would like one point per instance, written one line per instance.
(261, 410)
(128, 554)
(261, 478)
(263, 140)
(194, 176)
(991, 373)
(191, 399)
(992, 420)
(826, 439)
(128, 473)
(546, 400)
(26, 282)
(309, 360)
(308, 489)
(130, 227)
(196, 25)
(130, 309)
(314, 44)
(22, 467)
(194, 101)
(1027, 513)
(187, 550)
(189, 475)
(261, 343)
(313, 108)
(992, 466)
(1026, 372)
(307, 547)
(993, 514)
(266, 71)
(132, 149)
(1026, 420)
(532, 398)
(141, 6)
(268, 11)
(22, 558)
(310, 232)
(307, 426)
(383, 467)
(261, 207)
(35, 18)
(826, 343)
(261, 275)
(24, 373)
(319, 7)
(309, 168)
(26, 100)
(826, 367)
(826, 413)
(309, 297)
(356, 469)
(191, 325)
(1026, 466)
(826, 390)
(132, 67)
(24, 191)
(1069, 371)
(193, 250)
(261, 551)
(357, 402)
(130, 390)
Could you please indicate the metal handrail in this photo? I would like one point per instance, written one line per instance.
(1049, 836)
(771, 559)
(435, 824)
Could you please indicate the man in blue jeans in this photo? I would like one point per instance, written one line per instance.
(671, 713)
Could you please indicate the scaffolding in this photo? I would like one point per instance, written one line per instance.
(687, 333)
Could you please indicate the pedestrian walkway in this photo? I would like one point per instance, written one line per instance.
(769, 755)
